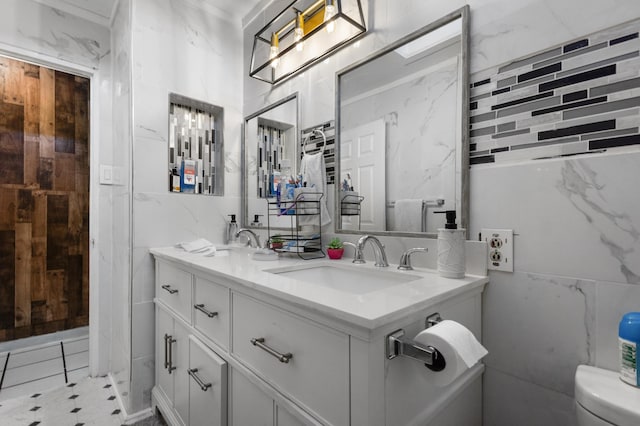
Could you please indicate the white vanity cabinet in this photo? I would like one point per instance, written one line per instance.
(242, 347)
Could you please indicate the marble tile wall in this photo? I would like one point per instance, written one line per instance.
(176, 48)
(576, 219)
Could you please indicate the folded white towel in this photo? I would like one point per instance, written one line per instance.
(408, 215)
(195, 246)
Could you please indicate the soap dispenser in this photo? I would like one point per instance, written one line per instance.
(256, 220)
(451, 240)
(231, 230)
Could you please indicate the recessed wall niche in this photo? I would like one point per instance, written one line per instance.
(195, 146)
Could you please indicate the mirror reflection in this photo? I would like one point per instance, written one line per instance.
(270, 153)
(401, 131)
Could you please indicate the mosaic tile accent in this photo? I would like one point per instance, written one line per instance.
(581, 97)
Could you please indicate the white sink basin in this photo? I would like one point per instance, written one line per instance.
(349, 279)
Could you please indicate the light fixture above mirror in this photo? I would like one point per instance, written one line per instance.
(305, 32)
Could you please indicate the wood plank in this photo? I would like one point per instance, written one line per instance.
(22, 307)
(7, 278)
(57, 303)
(48, 327)
(11, 143)
(8, 208)
(4, 68)
(45, 173)
(39, 311)
(74, 287)
(64, 172)
(24, 212)
(65, 113)
(38, 279)
(31, 129)
(13, 86)
(31, 70)
(39, 219)
(47, 112)
(75, 223)
(57, 224)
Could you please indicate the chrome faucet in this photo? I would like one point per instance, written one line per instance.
(405, 259)
(378, 250)
(254, 239)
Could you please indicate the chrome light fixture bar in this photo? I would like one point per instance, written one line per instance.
(305, 32)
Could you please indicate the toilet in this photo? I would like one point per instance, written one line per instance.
(602, 399)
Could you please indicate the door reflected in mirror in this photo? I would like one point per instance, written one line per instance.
(402, 133)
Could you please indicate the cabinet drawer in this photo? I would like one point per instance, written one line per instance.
(316, 375)
(211, 311)
(173, 287)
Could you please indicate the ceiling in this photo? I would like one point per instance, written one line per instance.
(99, 11)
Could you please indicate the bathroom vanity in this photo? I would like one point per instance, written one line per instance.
(293, 342)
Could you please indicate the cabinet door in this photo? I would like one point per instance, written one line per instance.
(164, 332)
(284, 418)
(249, 405)
(180, 361)
(207, 386)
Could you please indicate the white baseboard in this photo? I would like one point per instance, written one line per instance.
(129, 418)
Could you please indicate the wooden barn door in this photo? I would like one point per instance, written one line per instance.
(44, 200)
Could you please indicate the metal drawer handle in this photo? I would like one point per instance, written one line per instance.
(169, 289)
(204, 386)
(166, 350)
(259, 342)
(201, 308)
(170, 340)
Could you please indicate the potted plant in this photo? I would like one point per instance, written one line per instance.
(335, 249)
(276, 242)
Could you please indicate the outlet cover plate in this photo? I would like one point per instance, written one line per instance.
(500, 248)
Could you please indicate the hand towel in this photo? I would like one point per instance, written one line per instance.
(408, 215)
(313, 172)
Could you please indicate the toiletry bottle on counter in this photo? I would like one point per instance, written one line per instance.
(231, 230)
(451, 240)
(628, 342)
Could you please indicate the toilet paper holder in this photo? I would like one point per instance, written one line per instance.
(399, 345)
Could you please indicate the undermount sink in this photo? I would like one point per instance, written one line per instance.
(349, 279)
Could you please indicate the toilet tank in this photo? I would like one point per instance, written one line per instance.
(602, 394)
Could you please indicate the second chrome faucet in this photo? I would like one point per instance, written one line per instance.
(378, 250)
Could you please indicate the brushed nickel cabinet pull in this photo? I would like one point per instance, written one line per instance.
(170, 341)
(201, 308)
(259, 342)
(169, 289)
(204, 386)
(166, 350)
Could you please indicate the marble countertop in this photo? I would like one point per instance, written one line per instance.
(369, 310)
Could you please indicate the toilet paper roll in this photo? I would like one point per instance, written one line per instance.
(458, 345)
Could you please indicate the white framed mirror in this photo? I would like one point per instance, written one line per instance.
(402, 134)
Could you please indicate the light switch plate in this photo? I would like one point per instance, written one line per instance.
(106, 174)
(500, 248)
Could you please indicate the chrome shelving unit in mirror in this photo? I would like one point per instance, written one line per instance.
(302, 237)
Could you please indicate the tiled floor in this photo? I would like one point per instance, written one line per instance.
(43, 362)
(90, 401)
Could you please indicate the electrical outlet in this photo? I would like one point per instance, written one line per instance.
(500, 242)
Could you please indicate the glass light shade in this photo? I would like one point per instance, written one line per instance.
(302, 37)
